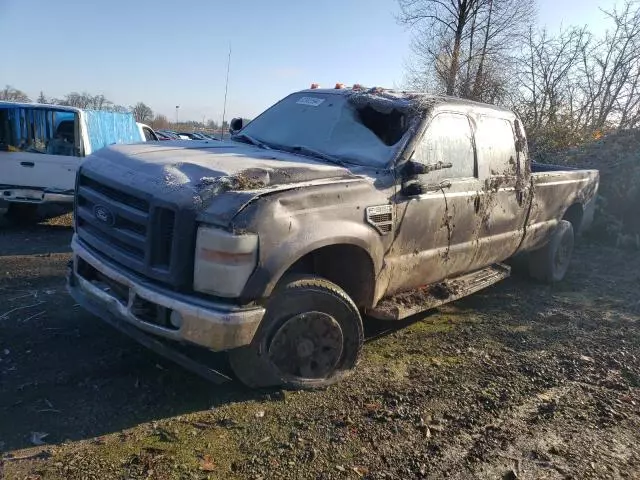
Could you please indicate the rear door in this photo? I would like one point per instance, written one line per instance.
(39, 148)
(503, 201)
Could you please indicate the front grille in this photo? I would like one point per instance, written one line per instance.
(115, 194)
(134, 229)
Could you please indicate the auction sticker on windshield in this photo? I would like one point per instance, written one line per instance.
(313, 101)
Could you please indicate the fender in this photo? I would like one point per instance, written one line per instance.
(281, 257)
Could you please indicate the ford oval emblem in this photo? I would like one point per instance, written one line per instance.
(103, 214)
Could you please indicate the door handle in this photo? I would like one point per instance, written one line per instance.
(28, 164)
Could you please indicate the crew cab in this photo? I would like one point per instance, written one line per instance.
(41, 147)
(331, 207)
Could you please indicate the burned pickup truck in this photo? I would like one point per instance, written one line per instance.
(331, 207)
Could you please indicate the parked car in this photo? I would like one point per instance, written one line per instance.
(209, 136)
(163, 137)
(171, 135)
(41, 147)
(331, 204)
(194, 135)
(147, 133)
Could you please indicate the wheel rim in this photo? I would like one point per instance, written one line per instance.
(308, 345)
(563, 253)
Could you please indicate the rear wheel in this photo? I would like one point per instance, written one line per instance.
(311, 337)
(550, 263)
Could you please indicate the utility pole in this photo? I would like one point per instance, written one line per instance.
(177, 108)
(226, 88)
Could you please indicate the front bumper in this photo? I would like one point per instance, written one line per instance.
(32, 195)
(214, 325)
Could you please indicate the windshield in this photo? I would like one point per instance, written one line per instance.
(328, 127)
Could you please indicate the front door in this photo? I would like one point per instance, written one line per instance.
(39, 148)
(434, 239)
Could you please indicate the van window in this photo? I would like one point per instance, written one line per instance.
(495, 141)
(448, 139)
(38, 130)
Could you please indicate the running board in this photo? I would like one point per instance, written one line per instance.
(409, 303)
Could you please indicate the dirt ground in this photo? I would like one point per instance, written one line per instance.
(519, 381)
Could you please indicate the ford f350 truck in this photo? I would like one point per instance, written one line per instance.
(331, 207)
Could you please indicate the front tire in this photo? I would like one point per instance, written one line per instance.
(310, 337)
(550, 263)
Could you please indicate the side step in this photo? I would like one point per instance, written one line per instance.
(409, 303)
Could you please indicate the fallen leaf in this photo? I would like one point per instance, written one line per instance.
(206, 464)
(37, 438)
(373, 407)
(260, 414)
(361, 471)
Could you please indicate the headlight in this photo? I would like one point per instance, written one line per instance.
(223, 261)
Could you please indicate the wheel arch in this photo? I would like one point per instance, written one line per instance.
(349, 262)
(575, 214)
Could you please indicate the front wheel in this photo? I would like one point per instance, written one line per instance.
(310, 337)
(550, 263)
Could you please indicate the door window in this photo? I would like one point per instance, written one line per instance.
(496, 146)
(448, 139)
(38, 130)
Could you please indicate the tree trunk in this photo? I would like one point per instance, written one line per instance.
(478, 83)
(454, 67)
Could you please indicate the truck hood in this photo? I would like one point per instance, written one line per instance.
(216, 179)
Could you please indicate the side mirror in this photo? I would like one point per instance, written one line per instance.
(236, 125)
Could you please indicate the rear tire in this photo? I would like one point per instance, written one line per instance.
(310, 337)
(23, 213)
(550, 263)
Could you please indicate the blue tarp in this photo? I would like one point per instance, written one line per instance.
(107, 128)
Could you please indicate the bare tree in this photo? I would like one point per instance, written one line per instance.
(446, 22)
(573, 86)
(99, 102)
(10, 94)
(160, 122)
(118, 109)
(546, 93)
(142, 112)
(42, 98)
(462, 47)
(611, 72)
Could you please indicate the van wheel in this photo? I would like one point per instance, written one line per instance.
(23, 213)
(310, 337)
(550, 263)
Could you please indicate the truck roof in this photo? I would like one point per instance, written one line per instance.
(39, 105)
(410, 96)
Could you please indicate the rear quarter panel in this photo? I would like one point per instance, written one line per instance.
(554, 193)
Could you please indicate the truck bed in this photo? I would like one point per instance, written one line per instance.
(559, 192)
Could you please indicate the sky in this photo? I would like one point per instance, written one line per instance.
(167, 53)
